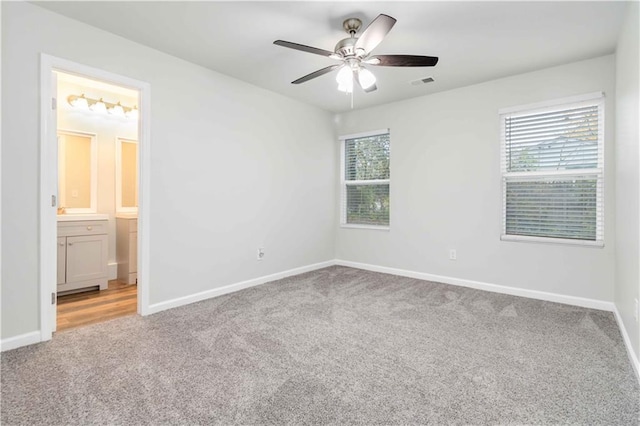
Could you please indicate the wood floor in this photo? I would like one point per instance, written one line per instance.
(80, 309)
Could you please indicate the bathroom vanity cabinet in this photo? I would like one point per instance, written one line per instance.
(82, 255)
(127, 248)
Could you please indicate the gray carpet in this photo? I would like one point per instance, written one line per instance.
(334, 346)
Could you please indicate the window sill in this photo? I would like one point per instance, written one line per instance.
(355, 226)
(545, 240)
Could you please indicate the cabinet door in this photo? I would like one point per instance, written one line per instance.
(133, 252)
(87, 258)
(62, 259)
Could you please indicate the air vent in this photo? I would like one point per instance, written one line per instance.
(420, 81)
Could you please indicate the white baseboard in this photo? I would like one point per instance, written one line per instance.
(633, 357)
(21, 340)
(495, 288)
(113, 271)
(35, 337)
(208, 294)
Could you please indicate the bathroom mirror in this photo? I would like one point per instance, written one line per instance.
(77, 171)
(126, 175)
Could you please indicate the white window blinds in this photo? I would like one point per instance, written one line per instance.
(552, 171)
(365, 179)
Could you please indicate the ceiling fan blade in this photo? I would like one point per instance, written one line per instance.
(307, 49)
(402, 61)
(315, 74)
(374, 33)
(356, 77)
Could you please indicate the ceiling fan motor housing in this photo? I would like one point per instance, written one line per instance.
(346, 47)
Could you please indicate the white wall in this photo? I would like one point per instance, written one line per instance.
(627, 158)
(232, 167)
(446, 187)
(107, 128)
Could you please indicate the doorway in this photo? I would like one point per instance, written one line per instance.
(97, 131)
(88, 115)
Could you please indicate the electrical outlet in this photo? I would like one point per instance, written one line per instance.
(636, 311)
(452, 254)
(260, 253)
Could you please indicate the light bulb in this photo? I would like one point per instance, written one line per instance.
(116, 110)
(345, 79)
(366, 78)
(78, 101)
(132, 113)
(99, 106)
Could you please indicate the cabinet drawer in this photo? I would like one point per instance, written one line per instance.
(88, 227)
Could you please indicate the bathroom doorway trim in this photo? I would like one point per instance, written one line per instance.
(49, 181)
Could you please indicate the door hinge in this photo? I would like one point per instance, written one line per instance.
(53, 298)
(53, 201)
(54, 103)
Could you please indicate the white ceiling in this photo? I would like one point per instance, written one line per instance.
(476, 41)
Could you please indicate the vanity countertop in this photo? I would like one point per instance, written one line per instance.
(81, 217)
(126, 215)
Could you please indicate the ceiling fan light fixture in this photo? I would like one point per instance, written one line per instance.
(366, 77)
(345, 79)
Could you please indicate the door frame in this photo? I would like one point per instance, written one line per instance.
(49, 182)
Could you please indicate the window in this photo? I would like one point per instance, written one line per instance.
(365, 179)
(552, 171)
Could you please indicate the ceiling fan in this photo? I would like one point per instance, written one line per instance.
(355, 54)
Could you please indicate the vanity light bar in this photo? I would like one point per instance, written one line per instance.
(99, 105)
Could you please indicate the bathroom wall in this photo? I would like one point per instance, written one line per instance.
(107, 128)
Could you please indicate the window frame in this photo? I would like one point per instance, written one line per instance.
(344, 184)
(596, 98)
